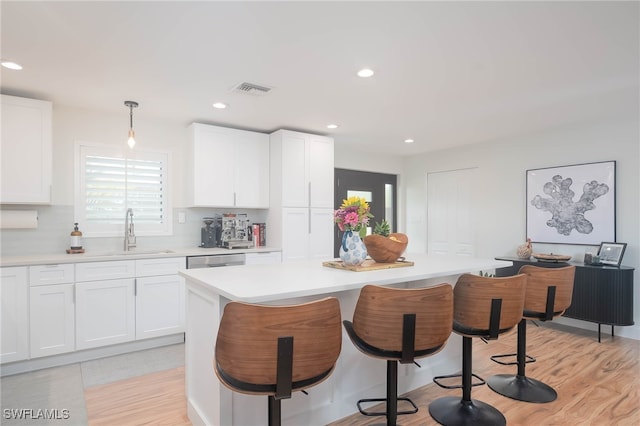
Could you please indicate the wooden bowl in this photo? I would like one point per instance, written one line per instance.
(384, 249)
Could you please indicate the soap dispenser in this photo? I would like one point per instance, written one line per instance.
(76, 240)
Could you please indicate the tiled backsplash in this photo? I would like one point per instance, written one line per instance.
(55, 223)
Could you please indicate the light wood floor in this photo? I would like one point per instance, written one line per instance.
(598, 384)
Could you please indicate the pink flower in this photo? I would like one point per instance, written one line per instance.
(351, 218)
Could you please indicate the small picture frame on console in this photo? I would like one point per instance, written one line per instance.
(611, 253)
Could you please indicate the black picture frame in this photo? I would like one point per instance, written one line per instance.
(611, 253)
(573, 204)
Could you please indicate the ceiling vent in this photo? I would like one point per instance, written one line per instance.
(251, 89)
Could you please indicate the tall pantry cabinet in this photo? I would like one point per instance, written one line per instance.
(301, 195)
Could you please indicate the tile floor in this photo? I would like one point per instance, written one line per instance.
(55, 396)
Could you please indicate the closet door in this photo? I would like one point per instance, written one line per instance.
(450, 225)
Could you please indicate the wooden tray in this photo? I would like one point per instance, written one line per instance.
(551, 257)
(367, 265)
(75, 251)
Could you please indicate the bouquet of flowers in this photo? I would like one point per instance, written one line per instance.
(353, 215)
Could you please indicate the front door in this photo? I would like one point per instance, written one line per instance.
(378, 189)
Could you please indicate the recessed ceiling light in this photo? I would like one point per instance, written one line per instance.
(332, 126)
(365, 72)
(409, 141)
(220, 105)
(11, 65)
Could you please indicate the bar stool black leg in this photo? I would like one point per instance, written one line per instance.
(521, 387)
(452, 410)
(275, 411)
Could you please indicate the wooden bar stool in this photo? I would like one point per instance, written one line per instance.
(483, 308)
(400, 325)
(276, 350)
(548, 295)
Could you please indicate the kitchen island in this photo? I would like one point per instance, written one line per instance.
(356, 376)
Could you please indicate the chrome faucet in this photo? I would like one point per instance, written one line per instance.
(129, 234)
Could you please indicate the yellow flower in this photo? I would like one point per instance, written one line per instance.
(355, 201)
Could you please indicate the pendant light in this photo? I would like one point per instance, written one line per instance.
(131, 141)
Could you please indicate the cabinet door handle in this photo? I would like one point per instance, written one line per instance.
(135, 287)
(73, 296)
(234, 199)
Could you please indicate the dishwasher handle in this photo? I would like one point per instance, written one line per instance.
(215, 261)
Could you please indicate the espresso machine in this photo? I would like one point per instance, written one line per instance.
(235, 231)
(211, 232)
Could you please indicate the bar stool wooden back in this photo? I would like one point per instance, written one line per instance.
(548, 295)
(484, 307)
(400, 325)
(276, 350)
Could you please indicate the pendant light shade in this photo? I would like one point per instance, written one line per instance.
(131, 141)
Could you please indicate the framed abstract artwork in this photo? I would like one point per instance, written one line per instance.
(572, 204)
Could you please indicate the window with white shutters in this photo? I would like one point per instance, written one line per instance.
(112, 181)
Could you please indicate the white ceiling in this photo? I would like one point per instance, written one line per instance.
(447, 73)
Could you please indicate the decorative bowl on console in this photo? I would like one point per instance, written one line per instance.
(386, 249)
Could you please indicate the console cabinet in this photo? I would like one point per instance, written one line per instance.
(601, 294)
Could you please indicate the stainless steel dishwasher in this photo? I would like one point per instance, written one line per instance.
(215, 260)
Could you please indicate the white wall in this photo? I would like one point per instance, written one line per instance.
(359, 159)
(79, 125)
(500, 191)
(55, 222)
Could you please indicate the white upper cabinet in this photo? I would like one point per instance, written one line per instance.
(229, 167)
(321, 171)
(26, 151)
(303, 168)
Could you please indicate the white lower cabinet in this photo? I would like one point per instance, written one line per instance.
(160, 297)
(308, 234)
(159, 306)
(14, 317)
(52, 309)
(321, 231)
(105, 303)
(105, 312)
(55, 309)
(52, 319)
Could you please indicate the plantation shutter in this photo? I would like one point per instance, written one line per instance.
(110, 184)
(114, 184)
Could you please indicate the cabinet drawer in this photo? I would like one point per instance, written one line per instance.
(155, 267)
(93, 271)
(51, 274)
(263, 258)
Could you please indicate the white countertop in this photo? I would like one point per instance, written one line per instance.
(262, 283)
(58, 258)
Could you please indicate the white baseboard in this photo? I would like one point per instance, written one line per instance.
(88, 354)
